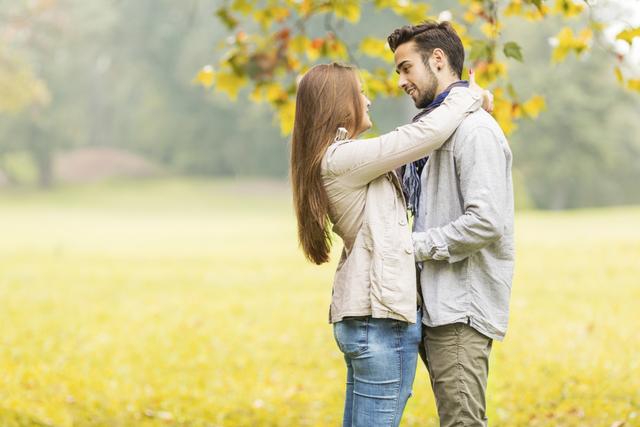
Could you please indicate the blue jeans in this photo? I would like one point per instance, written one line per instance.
(381, 357)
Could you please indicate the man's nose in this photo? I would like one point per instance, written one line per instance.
(402, 82)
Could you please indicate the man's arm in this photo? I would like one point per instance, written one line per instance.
(482, 167)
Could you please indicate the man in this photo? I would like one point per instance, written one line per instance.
(462, 201)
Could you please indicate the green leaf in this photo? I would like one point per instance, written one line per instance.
(513, 50)
(227, 19)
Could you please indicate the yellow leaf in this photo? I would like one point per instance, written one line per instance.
(537, 14)
(514, 8)
(286, 112)
(280, 13)
(492, 31)
(243, 6)
(376, 48)
(618, 73)
(230, 83)
(534, 106)
(567, 42)
(568, 8)
(373, 85)
(337, 50)
(206, 76)
(299, 44)
(634, 84)
(347, 9)
(413, 13)
(628, 35)
(488, 72)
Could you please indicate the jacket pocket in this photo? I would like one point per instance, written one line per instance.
(351, 335)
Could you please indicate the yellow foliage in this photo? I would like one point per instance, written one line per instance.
(492, 31)
(376, 48)
(299, 44)
(488, 72)
(634, 84)
(472, 12)
(628, 35)
(346, 9)
(286, 112)
(206, 76)
(503, 113)
(243, 6)
(372, 84)
(534, 106)
(271, 92)
(413, 13)
(618, 73)
(230, 83)
(568, 8)
(266, 16)
(567, 42)
(20, 88)
(514, 8)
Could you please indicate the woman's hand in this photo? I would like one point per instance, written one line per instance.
(487, 96)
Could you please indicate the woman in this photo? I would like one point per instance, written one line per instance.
(350, 184)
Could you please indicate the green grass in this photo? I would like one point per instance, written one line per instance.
(188, 303)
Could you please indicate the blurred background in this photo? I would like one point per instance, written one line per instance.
(149, 269)
(106, 89)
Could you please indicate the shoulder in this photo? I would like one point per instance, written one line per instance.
(479, 123)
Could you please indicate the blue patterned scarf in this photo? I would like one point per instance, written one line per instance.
(411, 174)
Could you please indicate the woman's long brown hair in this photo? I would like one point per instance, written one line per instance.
(328, 98)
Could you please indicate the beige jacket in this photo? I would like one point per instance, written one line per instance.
(376, 272)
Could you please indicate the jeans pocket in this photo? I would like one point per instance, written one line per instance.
(351, 335)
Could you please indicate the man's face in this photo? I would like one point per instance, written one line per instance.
(417, 79)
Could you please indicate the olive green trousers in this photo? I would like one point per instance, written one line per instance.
(457, 358)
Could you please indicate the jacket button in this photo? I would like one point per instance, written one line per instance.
(408, 250)
(402, 222)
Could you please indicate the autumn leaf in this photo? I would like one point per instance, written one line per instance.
(347, 9)
(206, 76)
(567, 42)
(628, 35)
(230, 83)
(634, 84)
(243, 6)
(534, 106)
(568, 8)
(376, 48)
(618, 74)
(286, 113)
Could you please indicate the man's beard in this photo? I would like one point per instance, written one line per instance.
(428, 94)
(427, 97)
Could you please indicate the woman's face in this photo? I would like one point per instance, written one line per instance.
(366, 120)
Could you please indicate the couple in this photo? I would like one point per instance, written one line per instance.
(452, 168)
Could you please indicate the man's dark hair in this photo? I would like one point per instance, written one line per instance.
(428, 36)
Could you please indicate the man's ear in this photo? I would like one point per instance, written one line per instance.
(439, 59)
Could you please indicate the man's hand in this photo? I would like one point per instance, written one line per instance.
(487, 96)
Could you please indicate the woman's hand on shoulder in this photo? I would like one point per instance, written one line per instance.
(487, 96)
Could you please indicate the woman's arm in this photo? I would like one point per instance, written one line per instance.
(358, 162)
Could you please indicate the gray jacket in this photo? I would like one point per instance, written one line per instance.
(463, 232)
(376, 272)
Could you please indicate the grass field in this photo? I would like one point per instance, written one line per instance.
(182, 303)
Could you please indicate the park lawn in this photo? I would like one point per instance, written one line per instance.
(188, 303)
